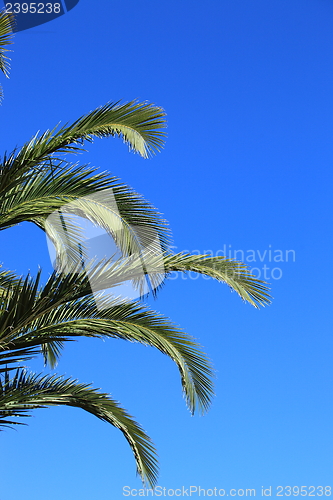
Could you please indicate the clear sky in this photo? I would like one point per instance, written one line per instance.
(248, 90)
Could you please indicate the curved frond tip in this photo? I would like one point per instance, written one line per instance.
(25, 392)
(140, 125)
(235, 274)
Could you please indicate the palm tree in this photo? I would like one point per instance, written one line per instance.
(35, 319)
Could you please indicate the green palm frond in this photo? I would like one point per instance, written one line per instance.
(231, 272)
(6, 31)
(32, 317)
(110, 273)
(235, 274)
(24, 392)
(51, 352)
(140, 125)
(78, 190)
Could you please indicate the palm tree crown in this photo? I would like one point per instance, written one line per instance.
(39, 180)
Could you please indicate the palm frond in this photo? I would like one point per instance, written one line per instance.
(108, 274)
(24, 392)
(49, 199)
(6, 31)
(235, 274)
(138, 124)
(31, 317)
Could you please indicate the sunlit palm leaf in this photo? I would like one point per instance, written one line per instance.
(98, 197)
(33, 318)
(6, 31)
(110, 274)
(139, 124)
(235, 274)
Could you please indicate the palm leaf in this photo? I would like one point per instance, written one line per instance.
(6, 31)
(138, 124)
(25, 392)
(235, 274)
(49, 197)
(32, 318)
(108, 274)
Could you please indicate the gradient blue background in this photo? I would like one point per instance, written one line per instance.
(248, 89)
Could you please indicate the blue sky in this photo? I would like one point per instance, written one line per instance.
(247, 87)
